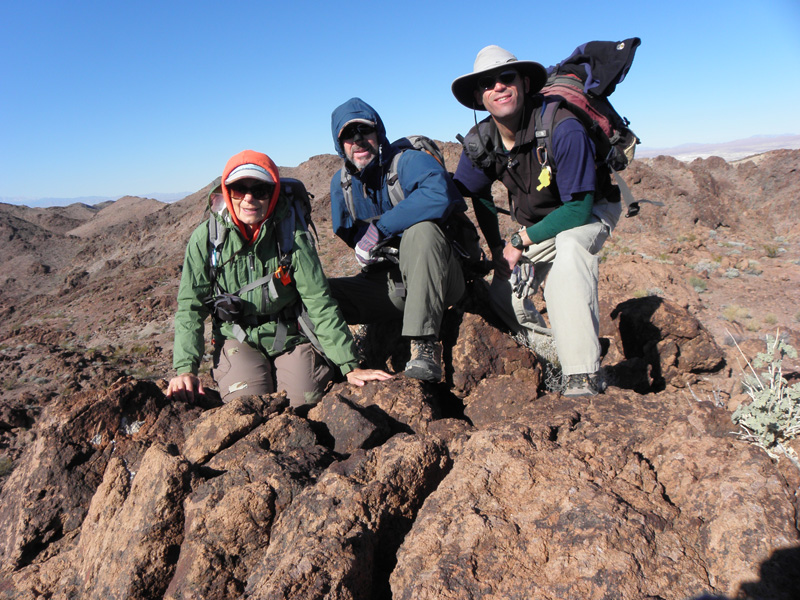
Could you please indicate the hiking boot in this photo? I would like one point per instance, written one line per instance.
(426, 360)
(583, 384)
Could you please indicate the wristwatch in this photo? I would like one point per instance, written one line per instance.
(516, 241)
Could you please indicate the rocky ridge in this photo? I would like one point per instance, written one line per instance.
(486, 485)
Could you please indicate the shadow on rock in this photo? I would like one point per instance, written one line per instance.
(657, 343)
(780, 577)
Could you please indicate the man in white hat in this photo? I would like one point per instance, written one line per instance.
(563, 223)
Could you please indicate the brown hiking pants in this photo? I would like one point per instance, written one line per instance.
(241, 370)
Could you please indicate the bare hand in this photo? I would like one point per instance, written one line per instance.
(512, 256)
(359, 377)
(184, 387)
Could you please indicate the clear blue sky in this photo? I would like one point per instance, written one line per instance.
(113, 98)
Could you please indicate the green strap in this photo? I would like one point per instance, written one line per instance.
(281, 331)
(257, 283)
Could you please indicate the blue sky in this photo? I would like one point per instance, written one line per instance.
(114, 98)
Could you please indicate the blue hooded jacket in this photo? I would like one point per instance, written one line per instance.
(430, 194)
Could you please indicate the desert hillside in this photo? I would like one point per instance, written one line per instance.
(487, 485)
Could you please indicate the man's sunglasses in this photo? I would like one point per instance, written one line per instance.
(349, 132)
(259, 191)
(487, 82)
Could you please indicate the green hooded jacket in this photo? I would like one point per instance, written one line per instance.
(251, 262)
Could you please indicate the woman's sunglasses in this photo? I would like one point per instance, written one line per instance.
(259, 191)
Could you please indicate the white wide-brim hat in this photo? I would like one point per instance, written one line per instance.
(489, 59)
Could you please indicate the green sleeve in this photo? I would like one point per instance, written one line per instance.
(486, 215)
(329, 324)
(569, 215)
(195, 286)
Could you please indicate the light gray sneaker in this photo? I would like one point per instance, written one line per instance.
(426, 360)
(583, 384)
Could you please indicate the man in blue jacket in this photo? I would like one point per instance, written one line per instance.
(409, 269)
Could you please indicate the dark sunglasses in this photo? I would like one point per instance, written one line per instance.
(349, 132)
(259, 191)
(487, 82)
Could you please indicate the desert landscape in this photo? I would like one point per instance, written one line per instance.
(487, 485)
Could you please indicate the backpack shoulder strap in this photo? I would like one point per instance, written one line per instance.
(551, 114)
(419, 143)
(545, 119)
(479, 144)
(216, 239)
(347, 191)
(396, 193)
(216, 233)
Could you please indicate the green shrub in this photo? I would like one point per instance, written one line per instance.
(699, 284)
(773, 416)
(734, 312)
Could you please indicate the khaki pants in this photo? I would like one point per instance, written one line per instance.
(241, 370)
(570, 263)
(428, 270)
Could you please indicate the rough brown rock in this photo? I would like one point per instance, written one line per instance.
(131, 536)
(229, 516)
(338, 537)
(550, 509)
(667, 341)
(351, 426)
(482, 350)
(48, 493)
(221, 427)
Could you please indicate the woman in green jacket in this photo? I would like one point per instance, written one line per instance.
(259, 290)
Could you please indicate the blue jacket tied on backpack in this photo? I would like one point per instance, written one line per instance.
(420, 175)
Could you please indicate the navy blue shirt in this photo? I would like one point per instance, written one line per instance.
(573, 157)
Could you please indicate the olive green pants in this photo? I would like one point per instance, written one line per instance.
(418, 290)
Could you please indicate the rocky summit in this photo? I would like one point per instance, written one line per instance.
(487, 485)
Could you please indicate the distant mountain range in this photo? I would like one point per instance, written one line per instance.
(89, 200)
(730, 151)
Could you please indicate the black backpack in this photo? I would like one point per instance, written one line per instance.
(581, 85)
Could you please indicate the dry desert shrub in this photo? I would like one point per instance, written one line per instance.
(773, 416)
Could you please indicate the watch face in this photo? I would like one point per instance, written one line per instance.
(516, 241)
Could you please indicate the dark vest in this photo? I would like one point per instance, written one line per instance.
(518, 169)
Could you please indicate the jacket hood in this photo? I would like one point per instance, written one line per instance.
(243, 158)
(357, 110)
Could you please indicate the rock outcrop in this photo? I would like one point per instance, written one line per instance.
(406, 489)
